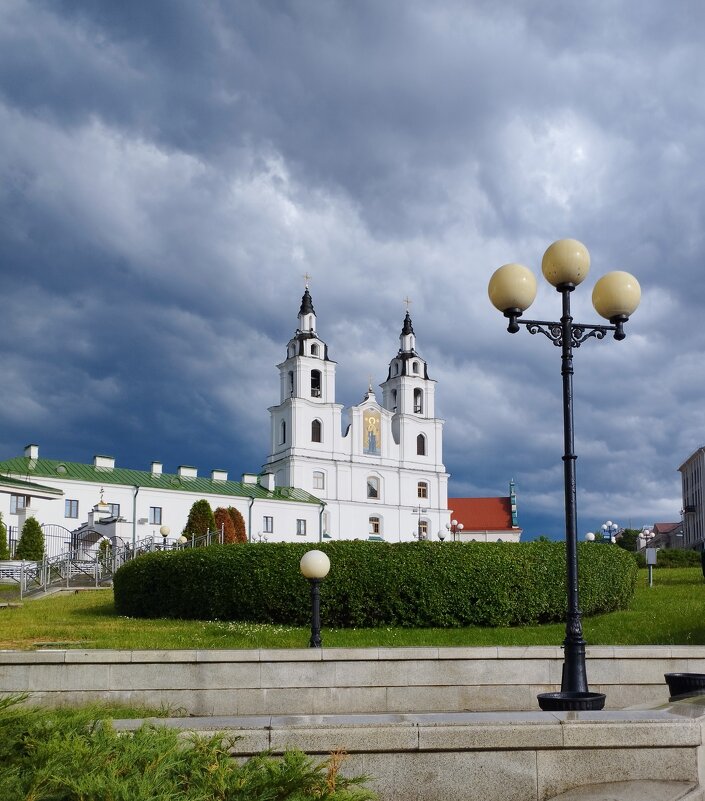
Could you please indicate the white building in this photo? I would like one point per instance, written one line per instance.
(383, 476)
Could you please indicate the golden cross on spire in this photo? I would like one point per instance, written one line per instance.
(307, 278)
(408, 302)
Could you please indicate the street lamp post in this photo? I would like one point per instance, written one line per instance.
(455, 528)
(512, 290)
(609, 532)
(164, 531)
(314, 566)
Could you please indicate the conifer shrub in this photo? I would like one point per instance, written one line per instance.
(4, 547)
(31, 544)
(200, 519)
(239, 523)
(224, 523)
(417, 584)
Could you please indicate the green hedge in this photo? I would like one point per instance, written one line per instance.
(417, 584)
(671, 557)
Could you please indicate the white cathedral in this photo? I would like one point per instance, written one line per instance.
(383, 477)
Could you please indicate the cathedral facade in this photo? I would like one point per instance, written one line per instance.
(383, 476)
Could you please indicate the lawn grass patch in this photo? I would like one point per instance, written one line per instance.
(672, 612)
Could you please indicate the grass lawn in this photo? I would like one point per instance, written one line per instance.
(672, 612)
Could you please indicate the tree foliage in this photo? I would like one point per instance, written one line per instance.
(628, 539)
(224, 523)
(4, 547)
(200, 519)
(239, 524)
(31, 544)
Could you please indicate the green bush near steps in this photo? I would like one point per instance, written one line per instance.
(417, 584)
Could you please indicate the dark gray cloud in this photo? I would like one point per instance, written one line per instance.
(169, 170)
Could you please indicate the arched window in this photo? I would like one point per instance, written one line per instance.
(319, 480)
(396, 368)
(418, 401)
(291, 383)
(375, 526)
(315, 383)
(314, 349)
(394, 400)
(422, 489)
(282, 432)
(420, 445)
(423, 529)
(415, 367)
(373, 487)
(316, 431)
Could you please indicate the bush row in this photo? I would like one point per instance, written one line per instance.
(671, 557)
(418, 584)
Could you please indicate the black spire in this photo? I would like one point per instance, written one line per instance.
(408, 328)
(306, 303)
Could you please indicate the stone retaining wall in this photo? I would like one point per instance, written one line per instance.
(340, 680)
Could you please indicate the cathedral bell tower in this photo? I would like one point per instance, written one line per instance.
(304, 421)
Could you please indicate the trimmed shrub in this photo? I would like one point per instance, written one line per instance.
(4, 547)
(418, 584)
(239, 523)
(200, 519)
(224, 523)
(31, 544)
(671, 557)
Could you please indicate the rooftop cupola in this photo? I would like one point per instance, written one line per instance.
(407, 338)
(307, 315)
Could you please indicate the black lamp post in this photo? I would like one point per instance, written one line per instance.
(314, 566)
(512, 290)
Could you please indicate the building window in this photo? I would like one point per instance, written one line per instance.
(422, 489)
(415, 367)
(70, 508)
(314, 349)
(372, 487)
(316, 428)
(301, 528)
(375, 525)
(319, 479)
(155, 515)
(17, 502)
(268, 525)
(315, 383)
(394, 400)
(423, 529)
(114, 509)
(282, 432)
(291, 383)
(418, 401)
(420, 445)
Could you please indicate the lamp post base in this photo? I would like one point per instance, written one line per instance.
(571, 702)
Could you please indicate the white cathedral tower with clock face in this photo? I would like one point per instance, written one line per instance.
(381, 478)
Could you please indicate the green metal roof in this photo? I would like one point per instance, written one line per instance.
(75, 471)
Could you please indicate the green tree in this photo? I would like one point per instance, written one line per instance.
(239, 524)
(200, 519)
(4, 547)
(628, 539)
(31, 544)
(224, 523)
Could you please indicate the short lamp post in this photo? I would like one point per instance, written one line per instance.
(314, 566)
(455, 528)
(164, 531)
(616, 295)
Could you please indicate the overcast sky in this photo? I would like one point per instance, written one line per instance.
(170, 170)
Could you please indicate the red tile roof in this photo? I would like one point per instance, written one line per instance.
(482, 514)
